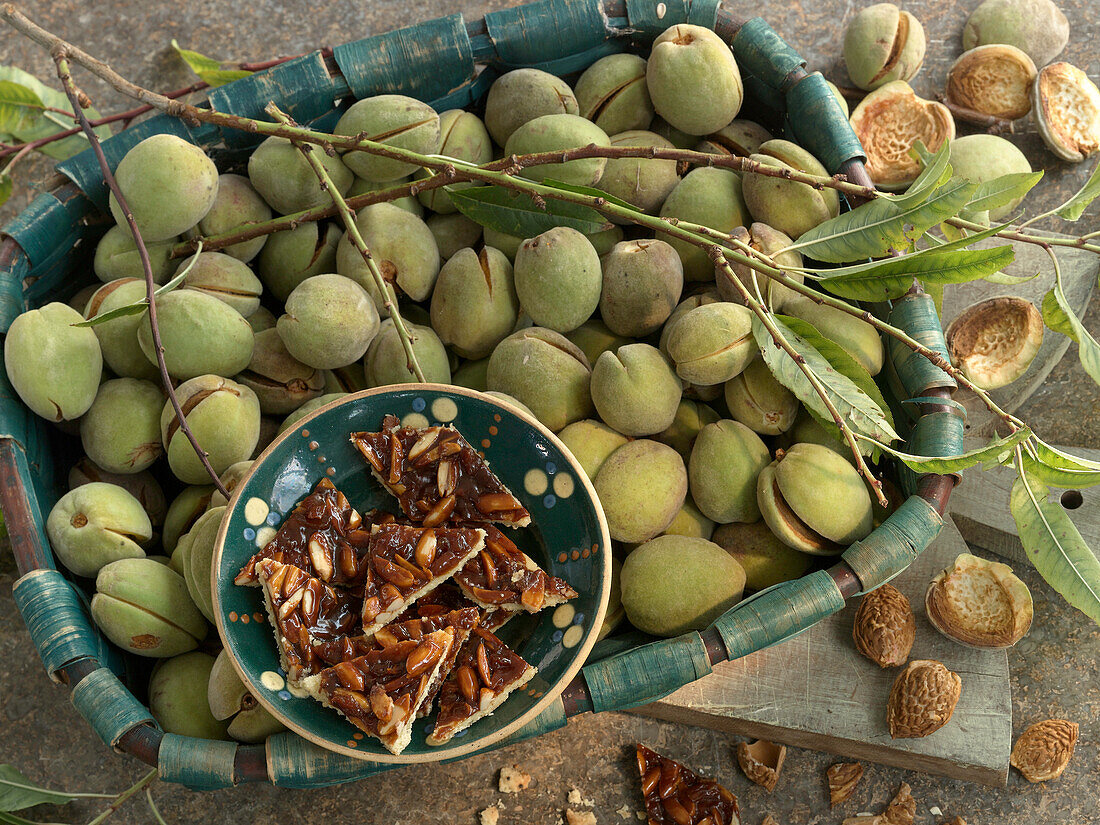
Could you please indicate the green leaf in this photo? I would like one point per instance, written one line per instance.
(5, 187)
(1075, 207)
(1010, 280)
(1058, 469)
(993, 194)
(517, 213)
(17, 792)
(138, 307)
(936, 172)
(1088, 350)
(51, 122)
(1055, 546)
(860, 412)
(880, 227)
(12, 819)
(993, 451)
(592, 192)
(1054, 318)
(893, 277)
(20, 107)
(208, 69)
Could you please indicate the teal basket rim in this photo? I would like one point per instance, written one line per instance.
(37, 252)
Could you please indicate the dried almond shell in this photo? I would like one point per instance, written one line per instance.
(842, 779)
(994, 79)
(1044, 749)
(922, 699)
(994, 341)
(979, 603)
(888, 122)
(1066, 107)
(761, 762)
(902, 810)
(884, 628)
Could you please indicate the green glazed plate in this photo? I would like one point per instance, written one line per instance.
(567, 537)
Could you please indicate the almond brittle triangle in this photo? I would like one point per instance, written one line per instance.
(503, 576)
(381, 691)
(485, 673)
(304, 611)
(406, 562)
(437, 476)
(675, 795)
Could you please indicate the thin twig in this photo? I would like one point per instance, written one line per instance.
(356, 238)
(76, 97)
(120, 800)
(718, 256)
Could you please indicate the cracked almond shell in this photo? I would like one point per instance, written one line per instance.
(888, 122)
(994, 80)
(979, 603)
(884, 628)
(994, 341)
(1044, 749)
(922, 699)
(883, 43)
(1066, 106)
(761, 762)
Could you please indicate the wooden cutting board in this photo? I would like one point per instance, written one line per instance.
(815, 691)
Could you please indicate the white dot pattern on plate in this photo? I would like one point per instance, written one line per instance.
(255, 511)
(563, 485)
(264, 535)
(272, 680)
(415, 420)
(444, 409)
(535, 482)
(572, 636)
(563, 616)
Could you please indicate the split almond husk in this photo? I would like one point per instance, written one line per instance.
(979, 603)
(1066, 107)
(994, 341)
(994, 79)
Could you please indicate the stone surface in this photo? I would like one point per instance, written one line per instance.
(1055, 669)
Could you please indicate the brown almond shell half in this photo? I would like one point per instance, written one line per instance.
(994, 79)
(979, 603)
(994, 341)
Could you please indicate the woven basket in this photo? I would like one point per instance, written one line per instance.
(451, 64)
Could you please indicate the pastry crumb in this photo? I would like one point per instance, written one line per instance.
(490, 816)
(640, 814)
(770, 820)
(575, 798)
(624, 812)
(513, 780)
(579, 817)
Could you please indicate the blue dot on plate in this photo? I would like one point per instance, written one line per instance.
(551, 467)
(249, 534)
(273, 518)
(549, 502)
(556, 636)
(284, 695)
(462, 733)
(419, 404)
(578, 619)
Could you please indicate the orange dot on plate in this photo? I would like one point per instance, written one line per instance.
(352, 743)
(305, 433)
(233, 615)
(245, 618)
(357, 735)
(562, 557)
(496, 417)
(586, 553)
(493, 431)
(331, 471)
(485, 443)
(258, 616)
(313, 445)
(576, 554)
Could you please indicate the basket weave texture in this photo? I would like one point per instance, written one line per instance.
(451, 64)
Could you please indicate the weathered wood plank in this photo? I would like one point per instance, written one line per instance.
(815, 691)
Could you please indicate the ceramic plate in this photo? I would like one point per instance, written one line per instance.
(567, 537)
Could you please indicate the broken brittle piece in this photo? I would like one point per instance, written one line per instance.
(503, 576)
(407, 562)
(486, 672)
(380, 692)
(843, 778)
(437, 476)
(675, 795)
(303, 611)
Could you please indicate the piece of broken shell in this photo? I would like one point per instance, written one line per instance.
(761, 762)
(888, 122)
(902, 810)
(994, 80)
(1066, 108)
(922, 699)
(842, 779)
(1044, 749)
(979, 603)
(994, 341)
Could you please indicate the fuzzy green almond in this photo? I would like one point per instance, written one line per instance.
(520, 96)
(225, 278)
(635, 390)
(558, 278)
(231, 702)
(642, 486)
(281, 382)
(591, 442)
(283, 177)
(709, 196)
(96, 524)
(116, 256)
(118, 338)
(758, 401)
(791, 207)
(712, 343)
(394, 120)
(121, 430)
(386, 361)
(693, 79)
(177, 697)
(236, 204)
(201, 335)
(291, 256)
(224, 417)
(474, 304)
(551, 133)
(726, 460)
(642, 282)
(329, 322)
(612, 93)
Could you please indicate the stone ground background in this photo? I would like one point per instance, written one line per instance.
(1055, 670)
